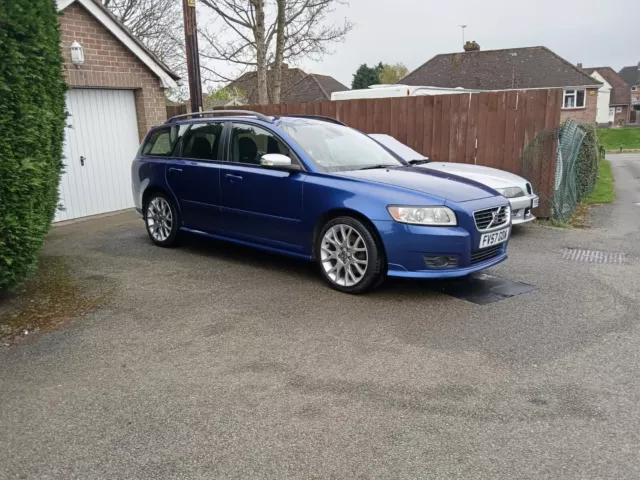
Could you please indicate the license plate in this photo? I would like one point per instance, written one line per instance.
(535, 202)
(493, 238)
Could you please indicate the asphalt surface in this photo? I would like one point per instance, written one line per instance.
(212, 361)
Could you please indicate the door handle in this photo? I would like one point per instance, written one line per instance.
(231, 178)
(174, 169)
(82, 159)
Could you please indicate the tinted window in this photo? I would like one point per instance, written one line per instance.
(250, 143)
(163, 141)
(202, 141)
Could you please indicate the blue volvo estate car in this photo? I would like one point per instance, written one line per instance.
(313, 188)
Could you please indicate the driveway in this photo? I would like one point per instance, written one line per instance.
(213, 361)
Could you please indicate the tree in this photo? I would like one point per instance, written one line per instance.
(244, 34)
(226, 94)
(280, 28)
(158, 24)
(393, 73)
(32, 120)
(366, 76)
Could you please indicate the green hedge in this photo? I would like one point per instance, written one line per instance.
(587, 163)
(32, 120)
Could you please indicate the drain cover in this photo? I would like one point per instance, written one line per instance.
(481, 288)
(593, 256)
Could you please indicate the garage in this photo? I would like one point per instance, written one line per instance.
(116, 94)
(100, 143)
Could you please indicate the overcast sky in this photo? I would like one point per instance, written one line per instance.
(595, 33)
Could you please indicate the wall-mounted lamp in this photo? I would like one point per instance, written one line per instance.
(77, 53)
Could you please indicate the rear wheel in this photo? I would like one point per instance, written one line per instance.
(349, 258)
(161, 219)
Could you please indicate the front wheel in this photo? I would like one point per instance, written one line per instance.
(349, 258)
(161, 219)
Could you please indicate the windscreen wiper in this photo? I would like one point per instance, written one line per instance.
(379, 165)
(418, 161)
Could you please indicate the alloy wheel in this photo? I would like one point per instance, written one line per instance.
(344, 255)
(159, 219)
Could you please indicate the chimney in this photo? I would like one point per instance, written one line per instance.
(579, 65)
(471, 46)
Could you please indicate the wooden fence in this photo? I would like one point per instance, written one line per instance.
(173, 110)
(491, 128)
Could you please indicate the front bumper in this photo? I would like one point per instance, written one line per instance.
(406, 247)
(521, 209)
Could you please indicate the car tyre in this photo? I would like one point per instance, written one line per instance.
(161, 219)
(349, 257)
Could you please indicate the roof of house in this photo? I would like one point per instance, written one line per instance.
(631, 75)
(620, 90)
(531, 67)
(312, 88)
(122, 33)
(247, 83)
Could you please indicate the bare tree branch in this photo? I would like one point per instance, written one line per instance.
(299, 27)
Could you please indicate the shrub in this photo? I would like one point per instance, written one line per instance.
(32, 119)
(587, 162)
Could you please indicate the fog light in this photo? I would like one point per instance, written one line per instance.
(441, 261)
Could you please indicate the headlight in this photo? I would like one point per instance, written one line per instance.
(510, 192)
(423, 215)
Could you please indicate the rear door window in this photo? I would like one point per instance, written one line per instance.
(202, 141)
(163, 141)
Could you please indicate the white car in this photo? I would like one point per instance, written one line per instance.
(516, 189)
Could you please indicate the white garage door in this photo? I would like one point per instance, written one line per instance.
(101, 141)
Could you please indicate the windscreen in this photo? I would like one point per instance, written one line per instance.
(397, 147)
(336, 147)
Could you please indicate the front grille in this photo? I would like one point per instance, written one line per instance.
(486, 254)
(492, 217)
(529, 188)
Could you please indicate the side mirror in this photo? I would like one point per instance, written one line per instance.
(277, 161)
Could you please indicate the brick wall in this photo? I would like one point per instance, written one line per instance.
(621, 117)
(109, 64)
(586, 114)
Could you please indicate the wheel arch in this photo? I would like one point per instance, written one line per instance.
(157, 189)
(346, 212)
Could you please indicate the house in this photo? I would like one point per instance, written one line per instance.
(513, 68)
(614, 97)
(308, 87)
(312, 88)
(631, 75)
(116, 93)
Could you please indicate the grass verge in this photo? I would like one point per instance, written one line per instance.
(615, 138)
(603, 191)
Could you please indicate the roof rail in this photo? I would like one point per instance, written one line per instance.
(258, 115)
(317, 117)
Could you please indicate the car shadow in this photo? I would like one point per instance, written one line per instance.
(306, 270)
(233, 252)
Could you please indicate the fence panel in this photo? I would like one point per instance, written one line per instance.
(173, 110)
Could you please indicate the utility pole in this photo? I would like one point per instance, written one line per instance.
(462, 27)
(193, 57)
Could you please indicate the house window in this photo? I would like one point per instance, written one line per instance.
(618, 109)
(633, 89)
(574, 99)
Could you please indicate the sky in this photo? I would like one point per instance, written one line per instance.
(596, 33)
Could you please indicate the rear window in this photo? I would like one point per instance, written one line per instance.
(163, 141)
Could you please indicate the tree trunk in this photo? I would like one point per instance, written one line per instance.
(277, 80)
(261, 51)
